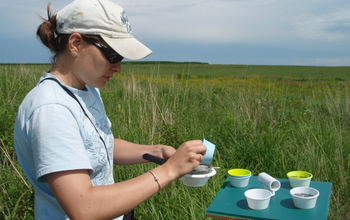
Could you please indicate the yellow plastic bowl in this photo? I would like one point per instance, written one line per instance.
(299, 175)
(239, 172)
(299, 178)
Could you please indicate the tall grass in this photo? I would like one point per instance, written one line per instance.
(16, 194)
(267, 119)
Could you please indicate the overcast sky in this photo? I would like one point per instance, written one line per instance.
(267, 32)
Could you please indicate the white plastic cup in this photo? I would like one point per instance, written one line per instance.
(304, 197)
(238, 181)
(208, 157)
(258, 199)
(269, 182)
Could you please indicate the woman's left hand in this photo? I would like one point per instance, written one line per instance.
(127, 153)
(167, 152)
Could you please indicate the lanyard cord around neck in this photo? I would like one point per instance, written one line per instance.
(70, 93)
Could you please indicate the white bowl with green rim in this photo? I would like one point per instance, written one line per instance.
(299, 178)
(239, 177)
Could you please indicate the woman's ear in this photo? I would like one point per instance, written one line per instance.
(74, 43)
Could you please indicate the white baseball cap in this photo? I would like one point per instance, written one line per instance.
(103, 18)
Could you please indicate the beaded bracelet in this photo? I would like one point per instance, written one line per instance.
(155, 179)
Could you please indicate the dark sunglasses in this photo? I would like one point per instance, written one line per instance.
(108, 52)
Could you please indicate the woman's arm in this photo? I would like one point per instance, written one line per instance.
(80, 200)
(127, 153)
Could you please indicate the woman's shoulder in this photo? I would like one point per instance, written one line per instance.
(45, 93)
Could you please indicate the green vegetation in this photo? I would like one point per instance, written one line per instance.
(270, 119)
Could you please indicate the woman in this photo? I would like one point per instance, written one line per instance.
(62, 134)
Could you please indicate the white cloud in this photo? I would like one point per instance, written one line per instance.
(332, 26)
(209, 21)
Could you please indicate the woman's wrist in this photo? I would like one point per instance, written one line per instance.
(165, 174)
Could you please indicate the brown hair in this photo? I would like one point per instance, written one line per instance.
(49, 37)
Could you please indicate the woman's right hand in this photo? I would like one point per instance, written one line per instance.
(187, 157)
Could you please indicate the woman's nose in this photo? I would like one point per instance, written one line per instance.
(117, 67)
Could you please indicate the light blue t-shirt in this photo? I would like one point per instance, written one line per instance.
(52, 134)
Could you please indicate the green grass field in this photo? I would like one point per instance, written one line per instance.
(271, 119)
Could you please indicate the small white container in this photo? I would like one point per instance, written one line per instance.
(258, 199)
(197, 180)
(239, 181)
(304, 197)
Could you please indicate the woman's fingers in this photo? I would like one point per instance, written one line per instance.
(201, 158)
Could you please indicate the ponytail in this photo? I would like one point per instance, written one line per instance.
(48, 35)
(47, 31)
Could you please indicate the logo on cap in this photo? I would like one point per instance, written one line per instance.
(125, 21)
(60, 26)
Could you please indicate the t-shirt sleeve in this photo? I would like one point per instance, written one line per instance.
(56, 141)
